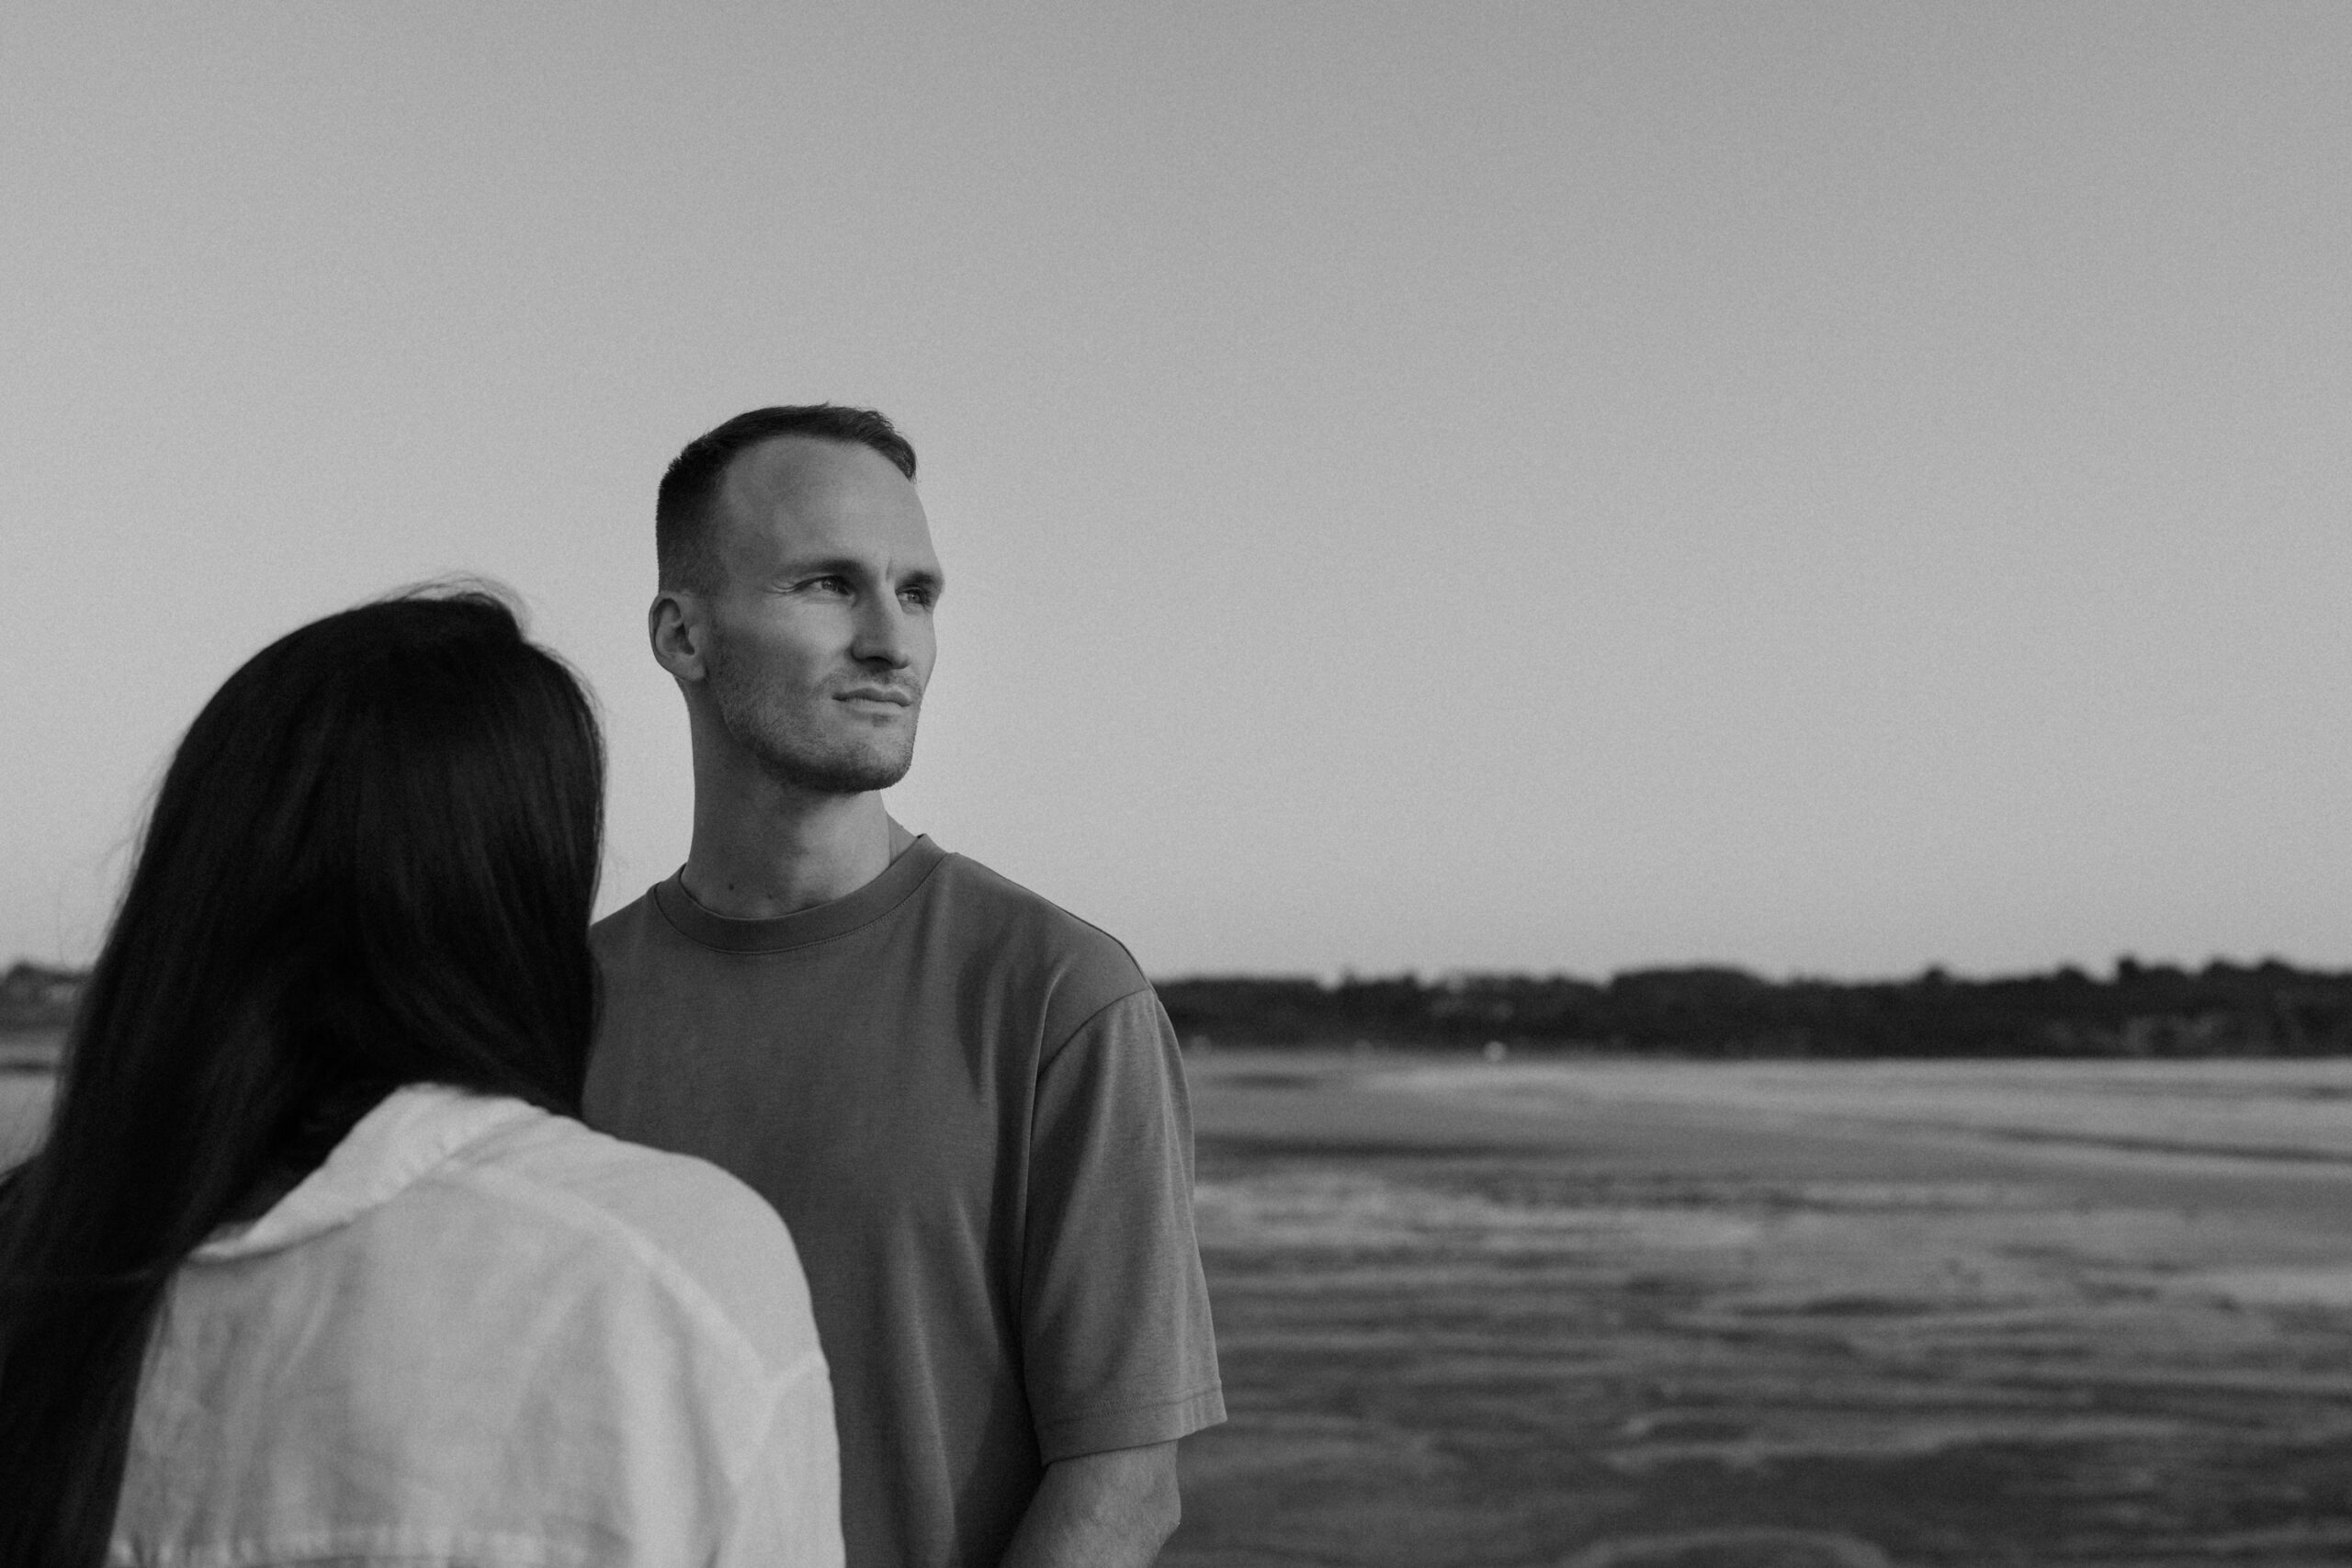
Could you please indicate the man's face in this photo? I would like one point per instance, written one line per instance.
(818, 632)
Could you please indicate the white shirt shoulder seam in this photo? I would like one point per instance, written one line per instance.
(584, 1215)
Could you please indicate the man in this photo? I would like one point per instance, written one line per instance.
(966, 1104)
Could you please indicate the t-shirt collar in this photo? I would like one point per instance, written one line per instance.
(878, 897)
(409, 1132)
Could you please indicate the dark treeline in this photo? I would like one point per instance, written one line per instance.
(2141, 1010)
(2223, 1010)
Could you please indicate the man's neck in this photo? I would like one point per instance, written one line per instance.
(761, 851)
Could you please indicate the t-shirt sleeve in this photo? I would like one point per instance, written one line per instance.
(1116, 1344)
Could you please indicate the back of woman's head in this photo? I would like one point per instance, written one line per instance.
(372, 863)
(377, 849)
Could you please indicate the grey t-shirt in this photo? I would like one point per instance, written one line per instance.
(969, 1109)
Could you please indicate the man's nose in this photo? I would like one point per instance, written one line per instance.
(882, 635)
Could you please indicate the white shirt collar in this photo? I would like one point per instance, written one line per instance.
(410, 1131)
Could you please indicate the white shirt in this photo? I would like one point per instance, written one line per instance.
(480, 1334)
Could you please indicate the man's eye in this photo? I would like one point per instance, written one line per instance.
(920, 597)
(830, 584)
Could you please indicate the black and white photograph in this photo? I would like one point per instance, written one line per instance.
(1545, 784)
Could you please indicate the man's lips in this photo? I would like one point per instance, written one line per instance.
(894, 695)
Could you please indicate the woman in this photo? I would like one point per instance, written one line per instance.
(314, 1264)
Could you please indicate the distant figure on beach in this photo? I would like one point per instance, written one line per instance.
(967, 1104)
(316, 1264)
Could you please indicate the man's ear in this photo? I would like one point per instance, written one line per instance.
(673, 625)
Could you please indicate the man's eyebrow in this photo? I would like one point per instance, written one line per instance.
(841, 566)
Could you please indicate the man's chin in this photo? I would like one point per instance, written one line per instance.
(839, 775)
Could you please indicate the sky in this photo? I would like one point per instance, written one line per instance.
(1826, 488)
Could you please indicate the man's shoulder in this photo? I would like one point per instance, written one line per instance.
(1064, 965)
(625, 924)
(1029, 923)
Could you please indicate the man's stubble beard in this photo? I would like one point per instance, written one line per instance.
(792, 751)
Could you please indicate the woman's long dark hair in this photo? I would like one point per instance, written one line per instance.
(371, 864)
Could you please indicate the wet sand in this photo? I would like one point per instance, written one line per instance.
(1774, 1314)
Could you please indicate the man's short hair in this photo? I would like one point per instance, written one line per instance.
(682, 511)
